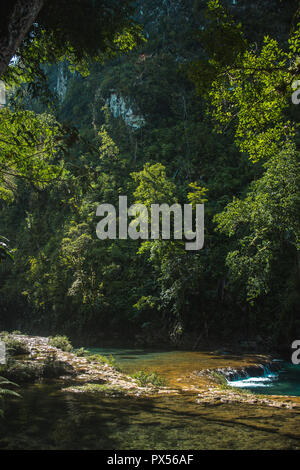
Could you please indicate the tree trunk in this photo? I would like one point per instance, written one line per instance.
(15, 23)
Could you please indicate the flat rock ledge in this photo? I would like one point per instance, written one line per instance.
(214, 396)
(84, 375)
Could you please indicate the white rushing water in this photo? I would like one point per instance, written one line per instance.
(266, 380)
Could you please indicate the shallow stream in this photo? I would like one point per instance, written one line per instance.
(47, 418)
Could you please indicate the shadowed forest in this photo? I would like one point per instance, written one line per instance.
(181, 101)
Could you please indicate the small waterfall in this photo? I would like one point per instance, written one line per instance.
(261, 375)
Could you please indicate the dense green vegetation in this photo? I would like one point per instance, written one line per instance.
(180, 118)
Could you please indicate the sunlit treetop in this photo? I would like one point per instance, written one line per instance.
(78, 30)
(247, 86)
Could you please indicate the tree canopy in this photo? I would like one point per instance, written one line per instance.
(35, 32)
(201, 112)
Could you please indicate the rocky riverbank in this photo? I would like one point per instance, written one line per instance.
(90, 374)
(43, 361)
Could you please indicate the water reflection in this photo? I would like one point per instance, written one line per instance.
(48, 418)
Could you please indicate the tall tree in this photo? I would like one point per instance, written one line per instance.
(16, 19)
(44, 30)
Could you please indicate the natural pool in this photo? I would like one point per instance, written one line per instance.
(172, 364)
(47, 418)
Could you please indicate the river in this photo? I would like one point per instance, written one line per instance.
(45, 418)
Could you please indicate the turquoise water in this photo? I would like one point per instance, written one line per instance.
(284, 382)
(46, 417)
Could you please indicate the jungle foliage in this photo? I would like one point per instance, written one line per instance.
(199, 113)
